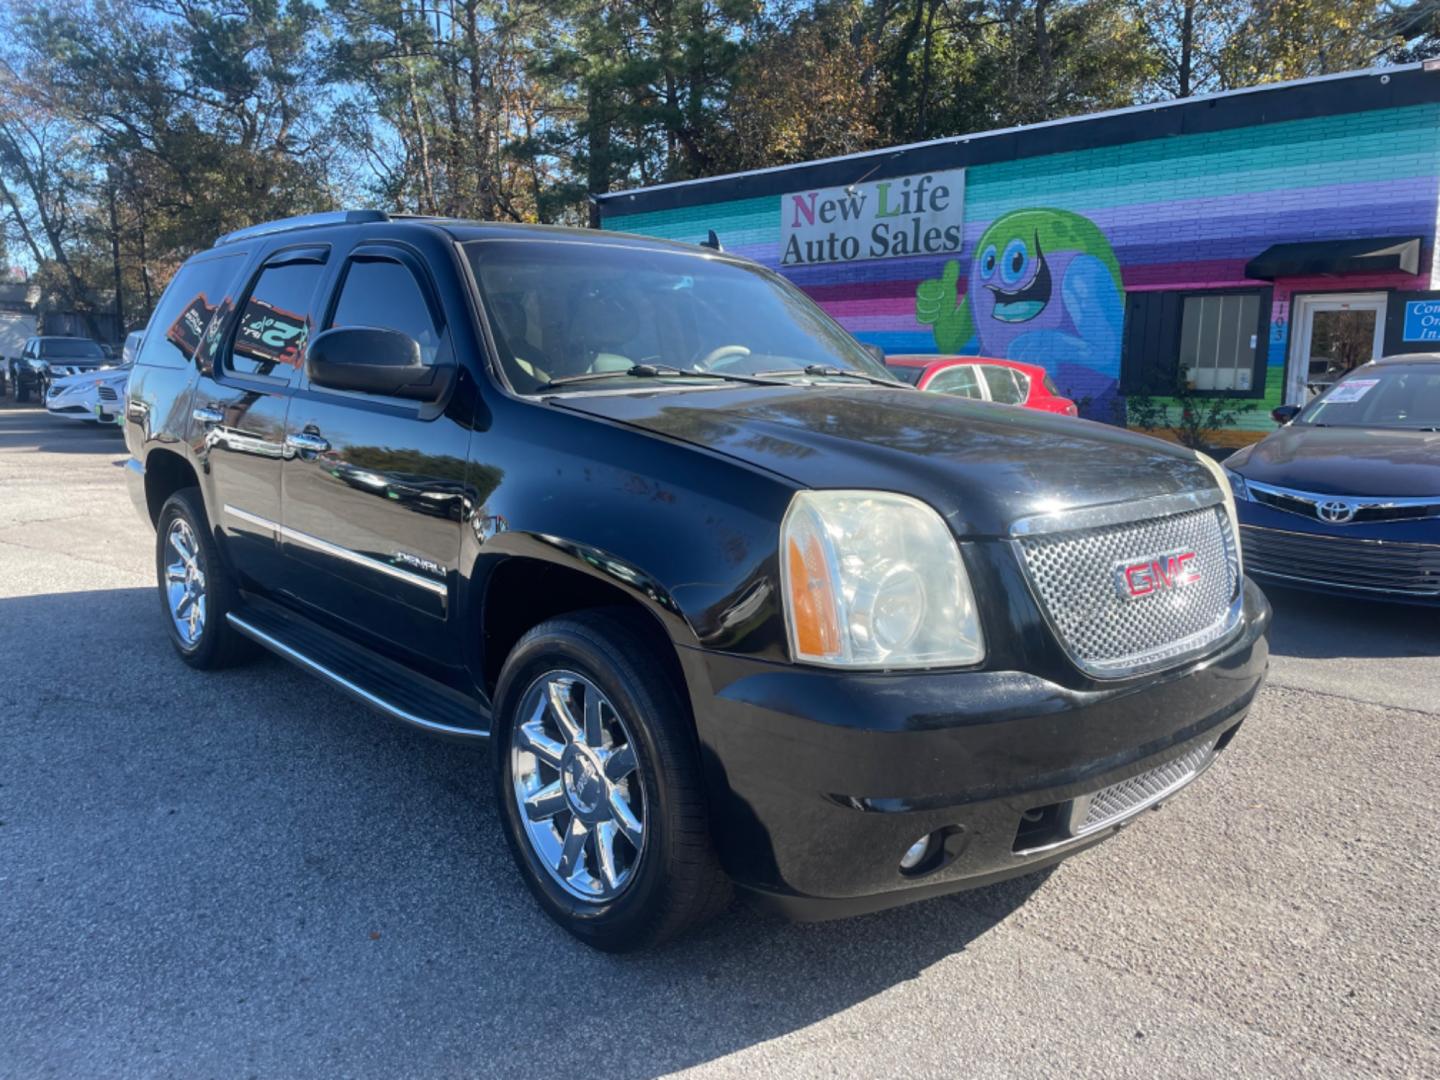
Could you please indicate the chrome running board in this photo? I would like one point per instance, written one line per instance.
(368, 678)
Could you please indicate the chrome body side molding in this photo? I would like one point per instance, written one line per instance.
(295, 536)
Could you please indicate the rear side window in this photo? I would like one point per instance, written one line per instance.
(383, 293)
(275, 322)
(1004, 385)
(180, 322)
(960, 381)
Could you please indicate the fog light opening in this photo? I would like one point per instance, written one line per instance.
(917, 854)
(913, 857)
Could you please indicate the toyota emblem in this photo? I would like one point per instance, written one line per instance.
(1335, 511)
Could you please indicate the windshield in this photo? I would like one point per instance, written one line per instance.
(560, 310)
(1376, 396)
(71, 348)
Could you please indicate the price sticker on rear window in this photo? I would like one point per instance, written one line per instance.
(1353, 390)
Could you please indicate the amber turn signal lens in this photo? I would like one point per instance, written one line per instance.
(812, 602)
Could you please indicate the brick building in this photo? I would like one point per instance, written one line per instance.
(1262, 240)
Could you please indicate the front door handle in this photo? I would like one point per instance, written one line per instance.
(306, 443)
(208, 414)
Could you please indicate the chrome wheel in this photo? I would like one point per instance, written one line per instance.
(184, 581)
(577, 786)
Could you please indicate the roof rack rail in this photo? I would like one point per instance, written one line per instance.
(305, 221)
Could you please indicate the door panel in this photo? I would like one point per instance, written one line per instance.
(374, 487)
(239, 408)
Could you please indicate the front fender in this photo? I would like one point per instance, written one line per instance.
(691, 534)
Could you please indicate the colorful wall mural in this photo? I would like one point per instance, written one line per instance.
(1053, 244)
(1044, 288)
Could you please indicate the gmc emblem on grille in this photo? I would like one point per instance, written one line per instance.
(1135, 578)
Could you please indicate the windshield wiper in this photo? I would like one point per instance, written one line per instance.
(828, 371)
(659, 371)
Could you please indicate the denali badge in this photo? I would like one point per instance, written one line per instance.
(1159, 573)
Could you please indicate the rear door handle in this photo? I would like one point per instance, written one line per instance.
(306, 443)
(208, 414)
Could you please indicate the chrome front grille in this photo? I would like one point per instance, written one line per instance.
(1380, 566)
(1110, 634)
(1344, 509)
(1110, 804)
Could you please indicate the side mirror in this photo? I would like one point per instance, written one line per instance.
(371, 360)
(876, 353)
(1285, 413)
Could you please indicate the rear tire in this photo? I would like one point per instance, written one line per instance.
(626, 782)
(197, 589)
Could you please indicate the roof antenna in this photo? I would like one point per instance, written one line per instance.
(712, 241)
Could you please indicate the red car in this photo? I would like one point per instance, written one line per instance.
(984, 379)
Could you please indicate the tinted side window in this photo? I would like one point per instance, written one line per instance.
(385, 294)
(180, 322)
(1004, 386)
(275, 322)
(960, 381)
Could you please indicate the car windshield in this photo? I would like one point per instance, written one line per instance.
(1377, 396)
(565, 309)
(71, 349)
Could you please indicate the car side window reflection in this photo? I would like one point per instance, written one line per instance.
(186, 311)
(275, 321)
(383, 293)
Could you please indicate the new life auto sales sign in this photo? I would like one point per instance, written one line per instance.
(881, 219)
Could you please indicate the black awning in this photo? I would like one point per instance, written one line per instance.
(1373, 255)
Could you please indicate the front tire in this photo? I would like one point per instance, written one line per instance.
(196, 588)
(598, 784)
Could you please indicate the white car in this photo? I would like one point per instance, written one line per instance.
(95, 396)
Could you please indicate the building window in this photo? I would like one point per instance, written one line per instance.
(1217, 337)
(1218, 341)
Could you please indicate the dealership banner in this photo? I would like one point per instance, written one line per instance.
(921, 214)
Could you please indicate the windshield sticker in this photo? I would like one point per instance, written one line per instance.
(1353, 390)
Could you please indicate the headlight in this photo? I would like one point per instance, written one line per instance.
(1237, 484)
(1222, 478)
(873, 579)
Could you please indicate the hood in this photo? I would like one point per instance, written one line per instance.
(1345, 461)
(982, 466)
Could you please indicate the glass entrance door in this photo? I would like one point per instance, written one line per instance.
(1330, 334)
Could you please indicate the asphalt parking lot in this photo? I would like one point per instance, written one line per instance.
(245, 874)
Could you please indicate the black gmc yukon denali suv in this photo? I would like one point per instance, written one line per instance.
(729, 604)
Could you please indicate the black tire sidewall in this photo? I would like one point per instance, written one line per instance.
(628, 920)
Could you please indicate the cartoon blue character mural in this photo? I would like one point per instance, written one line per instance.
(1044, 288)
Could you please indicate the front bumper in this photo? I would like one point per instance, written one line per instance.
(819, 781)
